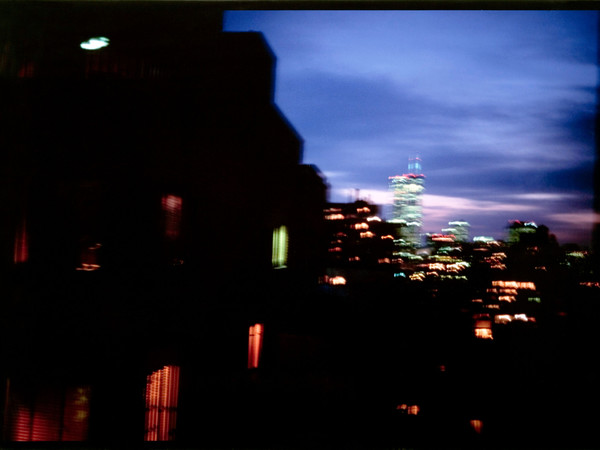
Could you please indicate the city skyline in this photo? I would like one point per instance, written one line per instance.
(500, 105)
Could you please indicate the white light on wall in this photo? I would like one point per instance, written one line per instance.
(94, 43)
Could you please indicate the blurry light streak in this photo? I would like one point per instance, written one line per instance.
(255, 342)
(171, 206)
(595, 284)
(280, 247)
(529, 285)
(477, 425)
(27, 70)
(21, 247)
(524, 318)
(337, 281)
(95, 43)
(49, 415)
(89, 258)
(418, 276)
(503, 318)
(162, 394)
(76, 414)
(411, 410)
(483, 326)
(483, 333)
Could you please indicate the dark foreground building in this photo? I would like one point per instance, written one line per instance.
(155, 208)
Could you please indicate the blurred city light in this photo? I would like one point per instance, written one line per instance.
(95, 43)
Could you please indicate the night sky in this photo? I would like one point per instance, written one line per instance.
(500, 106)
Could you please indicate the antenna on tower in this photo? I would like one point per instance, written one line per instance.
(414, 164)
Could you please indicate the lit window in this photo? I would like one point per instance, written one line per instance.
(21, 248)
(162, 392)
(522, 317)
(337, 281)
(95, 43)
(483, 333)
(515, 284)
(418, 276)
(48, 415)
(411, 410)
(477, 425)
(280, 247)
(171, 206)
(89, 258)
(255, 341)
(503, 318)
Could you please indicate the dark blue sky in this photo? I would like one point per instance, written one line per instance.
(500, 105)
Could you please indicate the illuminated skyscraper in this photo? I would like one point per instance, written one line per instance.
(407, 207)
(458, 228)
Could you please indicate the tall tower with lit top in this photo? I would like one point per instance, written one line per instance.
(407, 205)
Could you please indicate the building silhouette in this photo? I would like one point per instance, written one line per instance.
(407, 206)
(360, 244)
(156, 208)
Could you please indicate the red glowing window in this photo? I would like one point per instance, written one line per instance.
(477, 425)
(255, 341)
(162, 392)
(48, 415)
(21, 248)
(171, 207)
(411, 410)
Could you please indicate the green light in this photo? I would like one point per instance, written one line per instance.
(280, 247)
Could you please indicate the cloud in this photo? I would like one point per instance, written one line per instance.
(501, 106)
(464, 205)
(545, 196)
(577, 219)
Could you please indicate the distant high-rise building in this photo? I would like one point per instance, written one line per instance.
(518, 228)
(458, 228)
(407, 206)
